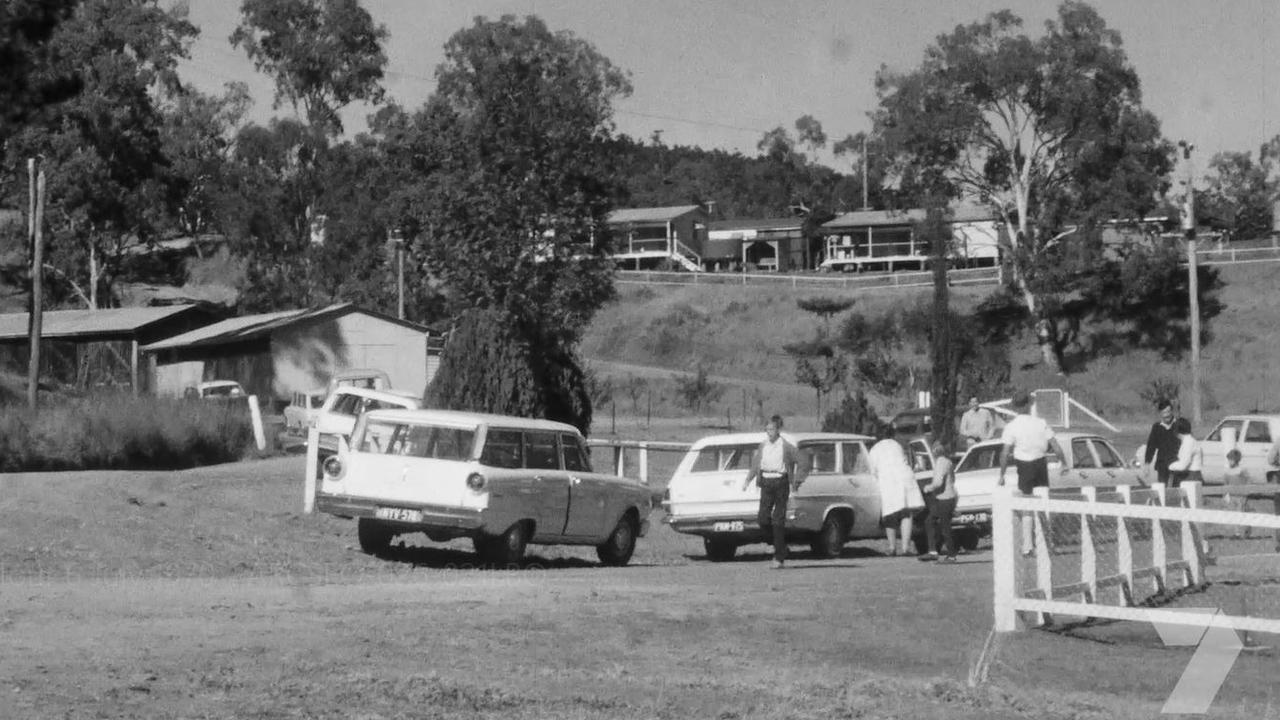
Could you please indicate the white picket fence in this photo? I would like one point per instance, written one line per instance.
(1020, 601)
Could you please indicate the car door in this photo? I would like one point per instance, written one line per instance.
(1112, 465)
(590, 513)
(976, 476)
(545, 484)
(1254, 449)
(823, 485)
(863, 489)
(1080, 468)
(1214, 448)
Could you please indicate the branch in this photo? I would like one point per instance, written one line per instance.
(72, 283)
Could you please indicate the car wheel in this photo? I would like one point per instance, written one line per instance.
(719, 549)
(507, 548)
(375, 538)
(968, 539)
(831, 538)
(617, 550)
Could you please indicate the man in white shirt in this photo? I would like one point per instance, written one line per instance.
(773, 467)
(976, 424)
(1026, 440)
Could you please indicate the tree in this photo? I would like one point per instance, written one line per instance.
(698, 389)
(30, 81)
(853, 415)
(514, 182)
(1049, 132)
(1242, 194)
(198, 143)
(322, 54)
(494, 364)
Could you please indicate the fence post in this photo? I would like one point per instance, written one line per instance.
(1124, 552)
(1159, 551)
(1004, 560)
(313, 458)
(1088, 552)
(644, 463)
(1044, 563)
(255, 419)
(1193, 549)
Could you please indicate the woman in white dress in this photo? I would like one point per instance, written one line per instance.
(900, 496)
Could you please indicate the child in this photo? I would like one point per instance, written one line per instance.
(1235, 474)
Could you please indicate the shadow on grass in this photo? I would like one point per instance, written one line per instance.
(454, 559)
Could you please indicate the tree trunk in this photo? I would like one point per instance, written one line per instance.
(93, 276)
(1047, 339)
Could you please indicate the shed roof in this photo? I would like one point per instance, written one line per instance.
(651, 214)
(882, 218)
(121, 323)
(252, 327)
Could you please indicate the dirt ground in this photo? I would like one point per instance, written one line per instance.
(207, 594)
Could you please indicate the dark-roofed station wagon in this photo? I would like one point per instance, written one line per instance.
(505, 482)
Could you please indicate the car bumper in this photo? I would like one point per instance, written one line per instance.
(744, 527)
(430, 518)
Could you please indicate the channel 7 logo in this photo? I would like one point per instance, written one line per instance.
(1217, 648)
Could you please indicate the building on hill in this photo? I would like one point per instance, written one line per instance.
(887, 239)
(647, 238)
(773, 244)
(84, 349)
(274, 355)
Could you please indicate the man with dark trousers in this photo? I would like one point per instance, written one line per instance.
(1162, 443)
(773, 467)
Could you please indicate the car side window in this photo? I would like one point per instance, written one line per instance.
(718, 458)
(541, 452)
(852, 459)
(1081, 454)
(821, 457)
(503, 449)
(1107, 457)
(347, 405)
(1257, 431)
(1216, 435)
(920, 457)
(981, 459)
(575, 455)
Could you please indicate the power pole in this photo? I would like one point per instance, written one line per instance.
(864, 173)
(35, 318)
(1193, 284)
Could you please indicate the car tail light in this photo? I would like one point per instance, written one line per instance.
(475, 481)
(333, 467)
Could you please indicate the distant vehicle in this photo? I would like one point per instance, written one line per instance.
(1254, 437)
(302, 410)
(1075, 460)
(368, 378)
(918, 422)
(838, 499)
(219, 389)
(337, 417)
(504, 482)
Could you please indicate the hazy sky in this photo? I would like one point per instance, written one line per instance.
(719, 73)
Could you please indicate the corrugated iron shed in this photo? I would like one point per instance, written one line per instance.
(647, 215)
(90, 325)
(885, 218)
(253, 327)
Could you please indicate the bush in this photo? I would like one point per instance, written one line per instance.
(854, 415)
(123, 433)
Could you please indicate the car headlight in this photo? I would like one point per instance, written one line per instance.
(475, 481)
(333, 468)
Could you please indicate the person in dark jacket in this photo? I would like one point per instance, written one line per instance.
(1162, 443)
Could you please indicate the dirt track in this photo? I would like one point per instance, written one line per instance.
(283, 620)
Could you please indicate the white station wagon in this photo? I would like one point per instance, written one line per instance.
(504, 482)
(838, 499)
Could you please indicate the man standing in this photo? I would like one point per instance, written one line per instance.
(1162, 443)
(976, 424)
(1026, 439)
(773, 467)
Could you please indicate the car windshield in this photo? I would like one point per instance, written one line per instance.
(412, 440)
(981, 458)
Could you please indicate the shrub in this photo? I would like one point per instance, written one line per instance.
(1159, 390)
(853, 415)
(119, 432)
(698, 389)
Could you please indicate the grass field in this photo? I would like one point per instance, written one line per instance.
(206, 593)
(739, 334)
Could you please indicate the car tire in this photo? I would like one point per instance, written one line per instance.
(719, 549)
(375, 537)
(507, 548)
(831, 537)
(968, 539)
(618, 549)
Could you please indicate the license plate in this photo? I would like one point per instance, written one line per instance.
(971, 518)
(730, 526)
(398, 514)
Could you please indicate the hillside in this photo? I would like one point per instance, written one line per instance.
(738, 333)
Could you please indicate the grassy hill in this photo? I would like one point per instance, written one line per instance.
(738, 334)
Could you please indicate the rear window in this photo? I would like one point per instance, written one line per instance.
(423, 441)
(821, 457)
(346, 405)
(719, 458)
(1257, 432)
(576, 458)
(983, 458)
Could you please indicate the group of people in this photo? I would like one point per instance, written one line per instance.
(1174, 453)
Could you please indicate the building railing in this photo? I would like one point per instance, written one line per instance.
(864, 281)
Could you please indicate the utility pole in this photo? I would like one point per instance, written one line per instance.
(398, 239)
(35, 318)
(864, 173)
(1193, 283)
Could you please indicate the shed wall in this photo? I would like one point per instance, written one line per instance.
(305, 357)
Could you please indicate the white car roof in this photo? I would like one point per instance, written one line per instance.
(1060, 435)
(217, 383)
(791, 437)
(469, 419)
(1255, 416)
(387, 395)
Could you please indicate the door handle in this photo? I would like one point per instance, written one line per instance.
(575, 480)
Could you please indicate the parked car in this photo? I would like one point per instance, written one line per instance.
(302, 409)
(838, 499)
(1254, 437)
(918, 422)
(337, 417)
(504, 482)
(219, 390)
(1075, 460)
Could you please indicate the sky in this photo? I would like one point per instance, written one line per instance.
(721, 73)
